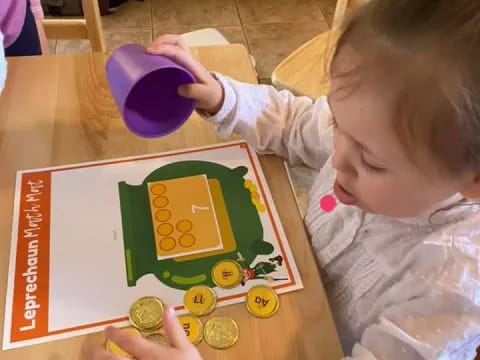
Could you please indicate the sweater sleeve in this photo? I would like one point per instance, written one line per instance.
(37, 9)
(276, 122)
(444, 322)
(3, 64)
(443, 326)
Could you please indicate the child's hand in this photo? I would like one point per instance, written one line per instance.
(208, 92)
(142, 349)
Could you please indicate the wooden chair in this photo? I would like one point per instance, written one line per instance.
(90, 27)
(310, 61)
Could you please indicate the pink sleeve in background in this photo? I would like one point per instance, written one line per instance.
(12, 17)
(36, 9)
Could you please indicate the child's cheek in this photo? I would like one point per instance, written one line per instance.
(376, 197)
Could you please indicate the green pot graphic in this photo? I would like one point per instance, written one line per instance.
(149, 234)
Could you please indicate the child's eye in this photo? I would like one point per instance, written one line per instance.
(371, 168)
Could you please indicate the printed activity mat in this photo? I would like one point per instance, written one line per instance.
(89, 239)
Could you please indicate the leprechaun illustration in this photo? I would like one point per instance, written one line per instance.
(262, 269)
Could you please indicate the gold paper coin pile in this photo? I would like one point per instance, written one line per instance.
(146, 317)
(146, 314)
(255, 196)
(117, 350)
(262, 301)
(221, 333)
(158, 338)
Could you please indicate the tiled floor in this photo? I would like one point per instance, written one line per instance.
(271, 29)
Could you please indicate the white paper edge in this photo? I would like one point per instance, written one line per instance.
(136, 157)
(276, 218)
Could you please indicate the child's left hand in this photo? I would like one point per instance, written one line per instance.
(142, 349)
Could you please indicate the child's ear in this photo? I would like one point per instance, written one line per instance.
(473, 190)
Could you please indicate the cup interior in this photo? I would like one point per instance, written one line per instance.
(153, 108)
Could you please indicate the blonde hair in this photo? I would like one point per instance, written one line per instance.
(427, 54)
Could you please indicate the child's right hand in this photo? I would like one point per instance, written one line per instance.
(208, 92)
(180, 347)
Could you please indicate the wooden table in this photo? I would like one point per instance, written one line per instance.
(58, 110)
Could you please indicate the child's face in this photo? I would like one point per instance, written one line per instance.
(373, 170)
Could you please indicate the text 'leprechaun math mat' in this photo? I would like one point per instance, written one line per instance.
(90, 239)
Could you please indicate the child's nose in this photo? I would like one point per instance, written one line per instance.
(342, 156)
(341, 163)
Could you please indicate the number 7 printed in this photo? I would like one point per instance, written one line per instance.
(195, 207)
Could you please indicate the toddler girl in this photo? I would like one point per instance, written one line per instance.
(397, 143)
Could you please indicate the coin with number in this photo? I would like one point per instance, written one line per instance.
(262, 301)
(221, 333)
(117, 350)
(200, 300)
(227, 274)
(193, 328)
(147, 313)
(158, 338)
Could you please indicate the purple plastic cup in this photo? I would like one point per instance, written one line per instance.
(145, 89)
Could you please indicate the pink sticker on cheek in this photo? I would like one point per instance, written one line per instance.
(328, 203)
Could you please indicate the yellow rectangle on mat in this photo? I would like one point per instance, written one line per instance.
(183, 216)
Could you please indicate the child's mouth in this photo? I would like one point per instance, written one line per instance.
(343, 195)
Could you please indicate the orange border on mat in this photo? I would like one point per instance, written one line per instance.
(30, 292)
(243, 145)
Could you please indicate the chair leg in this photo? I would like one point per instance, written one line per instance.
(91, 12)
(340, 10)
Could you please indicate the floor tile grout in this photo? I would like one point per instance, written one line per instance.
(289, 22)
(328, 19)
(244, 30)
(254, 42)
(152, 30)
(124, 29)
(242, 25)
(321, 11)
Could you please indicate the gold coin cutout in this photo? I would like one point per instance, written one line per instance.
(184, 226)
(117, 350)
(146, 313)
(187, 240)
(193, 328)
(158, 189)
(227, 274)
(167, 243)
(221, 333)
(200, 300)
(164, 229)
(159, 339)
(160, 202)
(261, 208)
(262, 301)
(163, 215)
